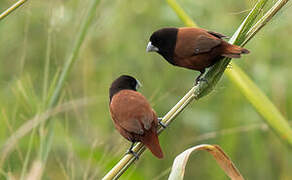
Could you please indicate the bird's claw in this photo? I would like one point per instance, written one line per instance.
(201, 80)
(130, 151)
(198, 80)
(161, 123)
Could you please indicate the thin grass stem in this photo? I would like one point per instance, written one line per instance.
(46, 145)
(11, 9)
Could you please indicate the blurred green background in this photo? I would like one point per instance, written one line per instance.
(85, 144)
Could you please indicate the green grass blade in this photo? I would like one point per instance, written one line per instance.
(74, 53)
(28, 155)
(47, 65)
(46, 145)
(260, 102)
(248, 22)
(181, 13)
(264, 20)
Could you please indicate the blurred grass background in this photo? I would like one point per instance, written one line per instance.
(85, 144)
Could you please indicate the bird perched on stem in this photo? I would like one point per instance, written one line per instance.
(133, 116)
(192, 48)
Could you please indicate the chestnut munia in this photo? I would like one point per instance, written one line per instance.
(192, 48)
(132, 115)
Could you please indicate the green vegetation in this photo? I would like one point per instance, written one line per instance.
(36, 41)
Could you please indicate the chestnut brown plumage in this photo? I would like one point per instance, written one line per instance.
(132, 115)
(192, 48)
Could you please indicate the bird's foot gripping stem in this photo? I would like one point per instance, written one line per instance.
(200, 78)
(161, 123)
(130, 151)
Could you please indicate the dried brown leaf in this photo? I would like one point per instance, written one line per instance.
(179, 164)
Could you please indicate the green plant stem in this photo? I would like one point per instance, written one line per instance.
(11, 9)
(213, 75)
(47, 140)
(74, 53)
(181, 13)
(47, 65)
(257, 98)
(264, 20)
(28, 154)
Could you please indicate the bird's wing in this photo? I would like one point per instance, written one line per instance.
(218, 35)
(204, 44)
(131, 111)
(194, 41)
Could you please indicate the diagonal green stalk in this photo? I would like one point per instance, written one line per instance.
(181, 13)
(261, 103)
(28, 155)
(74, 53)
(213, 75)
(11, 9)
(264, 20)
(46, 142)
(248, 22)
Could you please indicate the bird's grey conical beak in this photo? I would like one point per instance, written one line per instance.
(151, 48)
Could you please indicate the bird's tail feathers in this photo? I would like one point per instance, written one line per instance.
(150, 140)
(233, 51)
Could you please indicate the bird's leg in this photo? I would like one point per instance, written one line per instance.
(198, 79)
(161, 123)
(130, 151)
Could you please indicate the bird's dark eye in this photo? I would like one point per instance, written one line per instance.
(155, 40)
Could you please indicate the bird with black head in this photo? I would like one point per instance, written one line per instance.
(133, 116)
(192, 48)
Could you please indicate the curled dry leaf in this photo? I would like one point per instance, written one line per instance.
(179, 164)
